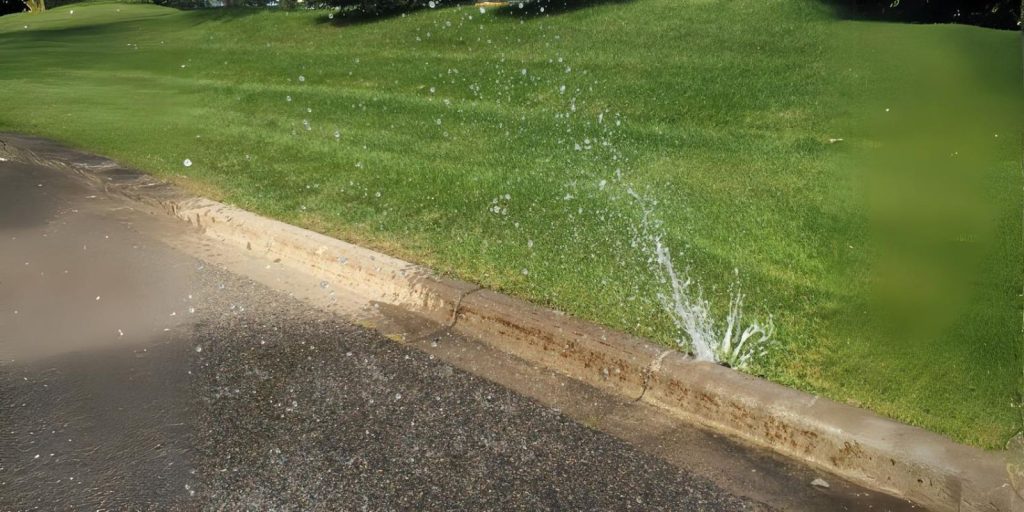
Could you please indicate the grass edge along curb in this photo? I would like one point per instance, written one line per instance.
(856, 444)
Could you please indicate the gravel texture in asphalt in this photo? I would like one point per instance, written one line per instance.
(134, 376)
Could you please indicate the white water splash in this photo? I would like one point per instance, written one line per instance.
(737, 346)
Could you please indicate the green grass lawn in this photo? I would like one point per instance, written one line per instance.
(500, 148)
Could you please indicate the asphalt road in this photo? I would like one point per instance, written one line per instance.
(136, 376)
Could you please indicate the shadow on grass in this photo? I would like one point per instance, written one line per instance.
(358, 17)
(530, 10)
(223, 13)
(114, 26)
(349, 18)
(99, 29)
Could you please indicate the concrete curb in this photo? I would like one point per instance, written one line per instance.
(858, 445)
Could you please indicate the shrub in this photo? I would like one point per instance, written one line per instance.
(989, 13)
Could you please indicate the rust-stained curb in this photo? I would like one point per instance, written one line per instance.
(859, 445)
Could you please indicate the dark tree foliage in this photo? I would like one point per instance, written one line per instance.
(377, 7)
(181, 4)
(987, 13)
(11, 6)
(385, 7)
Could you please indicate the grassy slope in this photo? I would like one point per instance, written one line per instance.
(717, 110)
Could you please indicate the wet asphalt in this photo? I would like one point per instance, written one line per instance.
(136, 377)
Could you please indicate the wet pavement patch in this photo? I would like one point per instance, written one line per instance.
(24, 201)
(135, 377)
(102, 429)
(264, 404)
(296, 411)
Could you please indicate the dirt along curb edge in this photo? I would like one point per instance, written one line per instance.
(856, 444)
